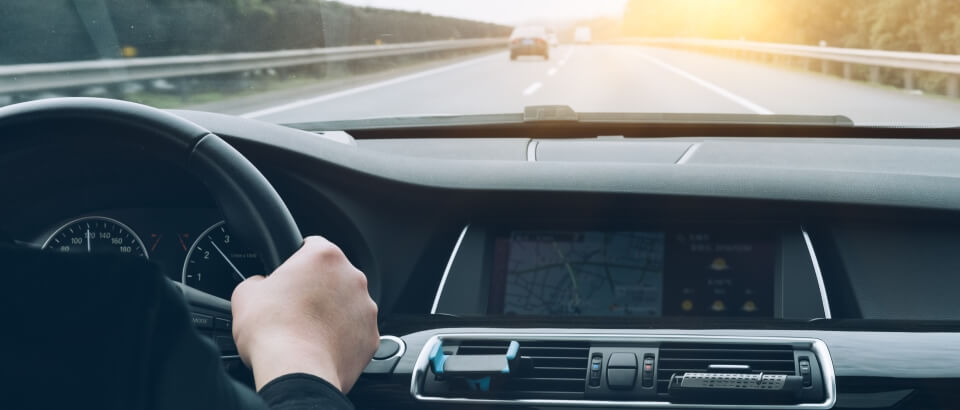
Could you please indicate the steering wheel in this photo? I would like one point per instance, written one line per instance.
(250, 205)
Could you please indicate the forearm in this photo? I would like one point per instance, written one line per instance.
(275, 357)
(303, 391)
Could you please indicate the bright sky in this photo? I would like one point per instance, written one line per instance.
(506, 11)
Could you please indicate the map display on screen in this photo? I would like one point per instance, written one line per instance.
(584, 273)
(633, 273)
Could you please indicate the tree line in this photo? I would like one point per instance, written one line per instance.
(38, 31)
(902, 25)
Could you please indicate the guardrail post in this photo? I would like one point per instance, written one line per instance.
(908, 79)
(874, 74)
(824, 64)
(953, 86)
(847, 71)
(183, 89)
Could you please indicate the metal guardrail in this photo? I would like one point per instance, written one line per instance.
(48, 76)
(910, 62)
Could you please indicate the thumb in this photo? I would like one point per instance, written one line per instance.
(253, 279)
(242, 287)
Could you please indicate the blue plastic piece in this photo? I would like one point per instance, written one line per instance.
(481, 384)
(437, 357)
(512, 350)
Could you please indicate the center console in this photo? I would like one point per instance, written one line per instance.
(611, 370)
(630, 275)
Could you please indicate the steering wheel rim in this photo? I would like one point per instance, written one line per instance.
(251, 206)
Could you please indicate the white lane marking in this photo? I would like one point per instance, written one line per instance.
(745, 103)
(563, 60)
(532, 88)
(364, 88)
(551, 72)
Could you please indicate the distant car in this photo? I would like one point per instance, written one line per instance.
(552, 40)
(583, 35)
(529, 41)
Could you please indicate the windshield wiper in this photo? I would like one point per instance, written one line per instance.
(563, 114)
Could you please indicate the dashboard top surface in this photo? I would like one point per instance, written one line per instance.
(883, 172)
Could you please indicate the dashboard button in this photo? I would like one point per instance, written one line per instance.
(805, 373)
(387, 349)
(621, 379)
(222, 324)
(647, 372)
(596, 362)
(625, 360)
(202, 321)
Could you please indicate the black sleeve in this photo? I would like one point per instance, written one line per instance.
(108, 333)
(303, 391)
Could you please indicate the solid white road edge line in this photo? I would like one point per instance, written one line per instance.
(743, 102)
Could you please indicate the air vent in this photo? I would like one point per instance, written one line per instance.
(554, 370)
(698, 357)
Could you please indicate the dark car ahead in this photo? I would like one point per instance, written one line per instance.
(529, 41)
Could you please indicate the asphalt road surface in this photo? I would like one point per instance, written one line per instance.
(608, 78)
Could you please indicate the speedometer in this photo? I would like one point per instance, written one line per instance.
(96, 234)
(216, 262)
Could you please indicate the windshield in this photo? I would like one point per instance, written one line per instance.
(877, 62)
(529, 32)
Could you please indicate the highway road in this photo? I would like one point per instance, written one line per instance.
(612, 78)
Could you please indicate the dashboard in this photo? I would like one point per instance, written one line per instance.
(818, 255)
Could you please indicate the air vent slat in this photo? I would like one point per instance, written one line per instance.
(541, 361)
(559, 379)
(697, 357)
(568, 385)
(562, 372)
(481, 350)
(543, 369)
(731, 359)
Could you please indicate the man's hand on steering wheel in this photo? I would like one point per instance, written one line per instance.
(312, 315)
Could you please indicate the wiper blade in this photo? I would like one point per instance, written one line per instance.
(550, 114)
(752, 119)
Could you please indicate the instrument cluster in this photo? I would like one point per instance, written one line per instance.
(193, 246)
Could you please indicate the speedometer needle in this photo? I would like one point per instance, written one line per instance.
(235, 270)
(88, 240)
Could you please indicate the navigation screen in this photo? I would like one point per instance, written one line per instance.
(638, 273)
(584, 273)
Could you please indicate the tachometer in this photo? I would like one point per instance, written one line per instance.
(96, 234)
(216, 262)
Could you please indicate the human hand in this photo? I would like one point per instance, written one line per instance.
(312, 315)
